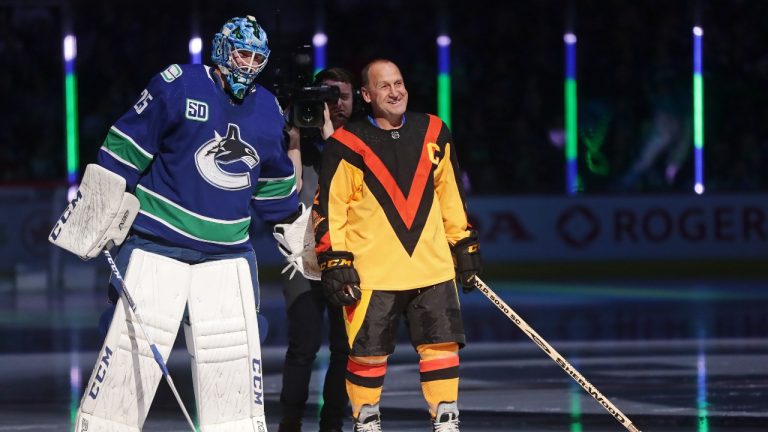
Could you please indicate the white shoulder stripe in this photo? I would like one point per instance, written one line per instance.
(293, 189)
(118, 158)
(268, 179)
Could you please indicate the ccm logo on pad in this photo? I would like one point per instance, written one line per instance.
(64, 216)
(258, 386)
(101, 373)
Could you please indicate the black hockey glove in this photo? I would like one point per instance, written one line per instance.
(466, 258)
(341, 284)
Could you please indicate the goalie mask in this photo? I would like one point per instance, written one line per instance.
(240, 51)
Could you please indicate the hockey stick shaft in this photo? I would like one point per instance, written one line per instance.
(123, 289)
(554, 355)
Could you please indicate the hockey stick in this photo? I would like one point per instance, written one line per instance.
(158, 358)
(554, 355)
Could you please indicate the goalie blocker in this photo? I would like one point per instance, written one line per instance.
(99, 215)
(222, 337)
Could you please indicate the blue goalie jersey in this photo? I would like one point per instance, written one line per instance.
(201, 164)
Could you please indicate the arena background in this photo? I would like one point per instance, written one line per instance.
(645, 264)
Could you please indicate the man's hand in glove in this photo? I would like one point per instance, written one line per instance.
(466, 258)
(341, 284)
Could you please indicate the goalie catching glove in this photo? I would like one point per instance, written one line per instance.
(341, 284)
(98, 216)
(296, 241)
(466, 258)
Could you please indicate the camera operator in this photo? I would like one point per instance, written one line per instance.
(305, 303)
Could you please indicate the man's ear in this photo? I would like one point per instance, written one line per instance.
(364, 93)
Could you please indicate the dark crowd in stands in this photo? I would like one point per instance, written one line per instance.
(507, 58)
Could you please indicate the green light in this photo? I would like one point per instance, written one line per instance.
(575, 397)
(573, 183)
(444, 98)
(698, 111)
(703, 420)
(571, 126)
(701, 389)
(74, 381)
(73, 412)
(70, 94)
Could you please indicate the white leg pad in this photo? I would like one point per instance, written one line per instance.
(126, 376)
(223, 339)
(87, 423)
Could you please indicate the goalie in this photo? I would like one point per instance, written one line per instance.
(177, 179)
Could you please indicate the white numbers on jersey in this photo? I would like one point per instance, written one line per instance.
(196, 110)
(170, 74)
(143, 101)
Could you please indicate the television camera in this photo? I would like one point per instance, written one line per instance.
(293, 87)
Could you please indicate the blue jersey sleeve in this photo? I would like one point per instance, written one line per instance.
(134, 139)
(275, 197)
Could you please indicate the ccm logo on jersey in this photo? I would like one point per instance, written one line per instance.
(258, 387)
(63, 219)
(101, 373)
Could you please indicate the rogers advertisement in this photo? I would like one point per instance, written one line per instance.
(622, 228)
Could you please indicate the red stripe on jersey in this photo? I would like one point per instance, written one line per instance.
(406, 207)
(324, 244)
(364, 370)
(440, 363)
(349, 311)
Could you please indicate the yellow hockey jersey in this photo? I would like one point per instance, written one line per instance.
(394, 199)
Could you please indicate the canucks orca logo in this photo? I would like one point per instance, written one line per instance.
(225, 161)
